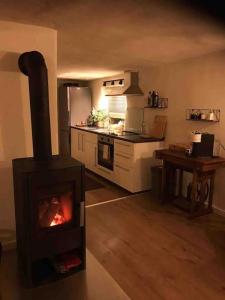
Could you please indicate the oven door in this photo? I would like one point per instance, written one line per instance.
(105, 155)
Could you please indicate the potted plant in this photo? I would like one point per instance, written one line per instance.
(97, 117)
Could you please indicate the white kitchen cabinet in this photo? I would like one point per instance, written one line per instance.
(132, 161)
(84, 147)
(77, 144)
(123, 176)
(132, 164)
(90, 151)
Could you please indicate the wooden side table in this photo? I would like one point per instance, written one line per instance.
(200, 192)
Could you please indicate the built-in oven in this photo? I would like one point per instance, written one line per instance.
(105, 151)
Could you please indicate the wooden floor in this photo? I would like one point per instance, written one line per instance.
(107, 192)
(154, 252)
(93, 284)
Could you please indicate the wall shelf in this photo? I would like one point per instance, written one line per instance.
(203, 115)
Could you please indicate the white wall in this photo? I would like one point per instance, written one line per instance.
(194, 83)
(15, 126)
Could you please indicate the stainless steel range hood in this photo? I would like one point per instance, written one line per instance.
(130, 88)
(134, 88)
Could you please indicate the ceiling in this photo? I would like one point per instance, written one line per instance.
(100, 38)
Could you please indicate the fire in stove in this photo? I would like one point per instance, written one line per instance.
(58, 219)
(55, 210)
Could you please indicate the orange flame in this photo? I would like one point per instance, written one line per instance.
(58, 219)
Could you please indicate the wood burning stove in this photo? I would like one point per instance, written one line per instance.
(48, 193)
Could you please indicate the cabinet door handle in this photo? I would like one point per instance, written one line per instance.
(127, 157)
(122, 168)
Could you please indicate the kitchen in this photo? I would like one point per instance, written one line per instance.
(119, 151)
(133, 131)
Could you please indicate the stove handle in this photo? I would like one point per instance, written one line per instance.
(82, 210)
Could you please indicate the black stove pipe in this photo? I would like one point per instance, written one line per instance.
(32, 64)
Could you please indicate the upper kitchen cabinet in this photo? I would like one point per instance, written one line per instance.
(126, 85)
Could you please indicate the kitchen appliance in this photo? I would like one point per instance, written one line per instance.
(105, 152)
(74, 106)
(129, 88)
(202, 144)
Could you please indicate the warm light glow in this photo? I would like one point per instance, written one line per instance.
(88, 74)
(58, 219)
(103, 100)
(56, 210)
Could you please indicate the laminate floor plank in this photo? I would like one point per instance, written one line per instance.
(155, 252)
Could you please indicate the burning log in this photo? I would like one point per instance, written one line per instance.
(49, 212)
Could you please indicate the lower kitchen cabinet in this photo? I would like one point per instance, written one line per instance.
(132, 161)
(77, 144)
(123, 176)
(84, 147)
(90, 153)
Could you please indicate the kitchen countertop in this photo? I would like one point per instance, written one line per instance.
(134, 138)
